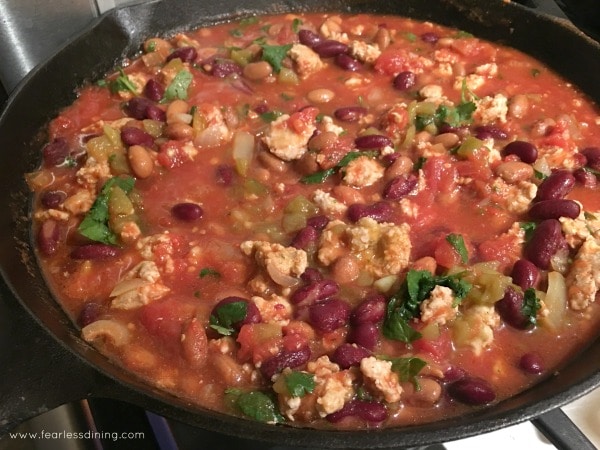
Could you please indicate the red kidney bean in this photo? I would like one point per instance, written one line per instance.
(187, 211)
(373, 412)
(153, 90)
(510, 308)
(380, 211)
(592, 155)
(52, 199)
(329, 315)
(372, 141)
(306, 237)
(525, 274)
(554, 209)
(532, 363)
(153, 112)
(185, 54)
(222, 68)
(364, 334)
(316, 291)
(136, 136)
(472, 391)
(309, 38)
(317, 222)
(350, 113)
(430, 37)
(404, 81)
(546, 240)
(48, 237)
(252, 312)
(55, 152)
(94, 251)
(311, 275)
(585, 178)
(491, 131)
(525, 151)
(370, 310)
(329, 48)
(400, 187)
(454, 373)
(557, 185)
(137, 107)
(224, 174)
(347, 62)
(348, 355)
(285, 358)
(89, 313)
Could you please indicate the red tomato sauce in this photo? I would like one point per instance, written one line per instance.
(340, 221)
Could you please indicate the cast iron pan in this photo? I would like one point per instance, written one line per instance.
(45, 363)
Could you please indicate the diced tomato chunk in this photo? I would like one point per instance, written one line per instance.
(258, 341)
(439, 348)
(172, 154)
(301, 120)
(164, 318)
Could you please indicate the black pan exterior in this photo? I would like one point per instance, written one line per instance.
(43, 373)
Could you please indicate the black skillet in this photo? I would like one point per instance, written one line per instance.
(44, 363)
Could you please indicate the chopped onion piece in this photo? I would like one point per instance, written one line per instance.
(243, 150)
(127, 285)
(555, 300)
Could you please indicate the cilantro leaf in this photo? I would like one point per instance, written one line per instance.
(528, 228)
(531, 305)
(407, 369)
(270, 116)
(122, 83)
(299, 383)
(405, 303)
(94, 225)
(255, 404)
(296, 25)
(226, 316)
(321, 176)
(274, 55)
(458, 243)
(177, 89)
(207, 271)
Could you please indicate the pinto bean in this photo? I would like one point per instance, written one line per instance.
(231, 373)
(382, 38)
(345, 269)
(140, 161)
(402, 165)
(180, 131)
(257, 70)
(320, 96)
(175, 109)
(448, 140)
(514, 171)
(194, 343)
(322, 140)
(518, 106)
(271, 162)
(429, 393)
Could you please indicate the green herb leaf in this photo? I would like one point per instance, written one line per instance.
(236, 32)
(226, 315)
(458, 243)
(94, 225)
(410, 37)
(270, 116)
(247, 21)
(296, 25)
(255, 404)
(589, 216)
(408, 369)
(151, 47)
(419, 163)
(321, 176)
(539, 175)
(535, 73)
(274, 55)
(122, 83)
(405, 303)
(462, 35)
(528, 228)
(299, 383)
(317, 177)
(531, 305)
(207, 271)
(179, 86)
